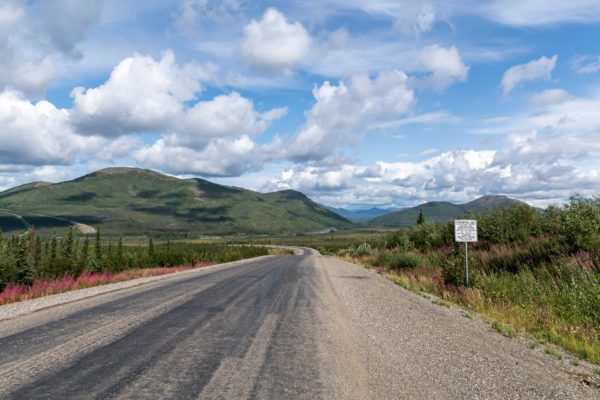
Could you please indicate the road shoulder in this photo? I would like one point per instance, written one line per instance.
(415, 349)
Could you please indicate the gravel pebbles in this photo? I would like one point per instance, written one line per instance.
(413, 349)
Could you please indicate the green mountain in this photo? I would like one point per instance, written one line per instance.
(362, 215)
(440, 211)
(130, 200)
(22, 188)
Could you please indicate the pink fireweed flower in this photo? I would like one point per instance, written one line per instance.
(45, 287)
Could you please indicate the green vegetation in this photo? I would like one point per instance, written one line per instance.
(27, 257)
(553, 352)
(362, 215)
(326, 243)
(504, 330)
(421, 217)
(574, 361)
(441, 303)
(532, 272)
(439, 211)
(132, 201)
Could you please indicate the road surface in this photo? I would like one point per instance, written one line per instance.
(279, 327)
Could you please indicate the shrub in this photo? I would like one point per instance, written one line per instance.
(580, 223)
(404, 261)
(363, 249)
(431, 236)
(514, 257)
(453, 268)
(383, 259)
(503, 225)
(399, 240)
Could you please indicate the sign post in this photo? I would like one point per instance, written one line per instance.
(465, 231)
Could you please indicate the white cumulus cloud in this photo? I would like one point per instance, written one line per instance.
(220, 157)
(141, 94)
(38, 133)
(38, 38)
(224, 116)
(445, 64)
(342, 112)
(531, 71)
(456, 175)
(548, 154)
(273, 43)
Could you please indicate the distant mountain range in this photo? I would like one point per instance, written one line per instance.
(363, 215)
(441, 211)
(134, 201)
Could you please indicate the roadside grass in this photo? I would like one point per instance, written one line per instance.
(504, 330)
(46, 287)
(556, 304)
(533, 273)
(574, 361)
(277, 252)
(441, 303)
(553, 352)
(549, 314)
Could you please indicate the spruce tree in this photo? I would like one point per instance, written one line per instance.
(98, 248)
(52, 261)
(37, 254)
(93, 265)
(168, 257)
(109, 261)
(23, 273)
(4, 261)
(120, 256)
(45, 265)
(420, 218)
(76, 252)
(151, 250)
(68, 253)
(32, 235)
(85, 254)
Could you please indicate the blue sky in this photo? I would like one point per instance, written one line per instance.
(357, 104)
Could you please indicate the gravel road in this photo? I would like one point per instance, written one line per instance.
(281, 327)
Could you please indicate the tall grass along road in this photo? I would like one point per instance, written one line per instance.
(279, 327)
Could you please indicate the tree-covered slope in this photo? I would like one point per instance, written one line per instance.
(362, 215)
(130, 200)
(442, 211)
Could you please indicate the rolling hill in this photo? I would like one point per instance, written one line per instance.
(440, 211)
(131, 200)
(364, 214)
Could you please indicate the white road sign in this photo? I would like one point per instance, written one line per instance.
(465, 230)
